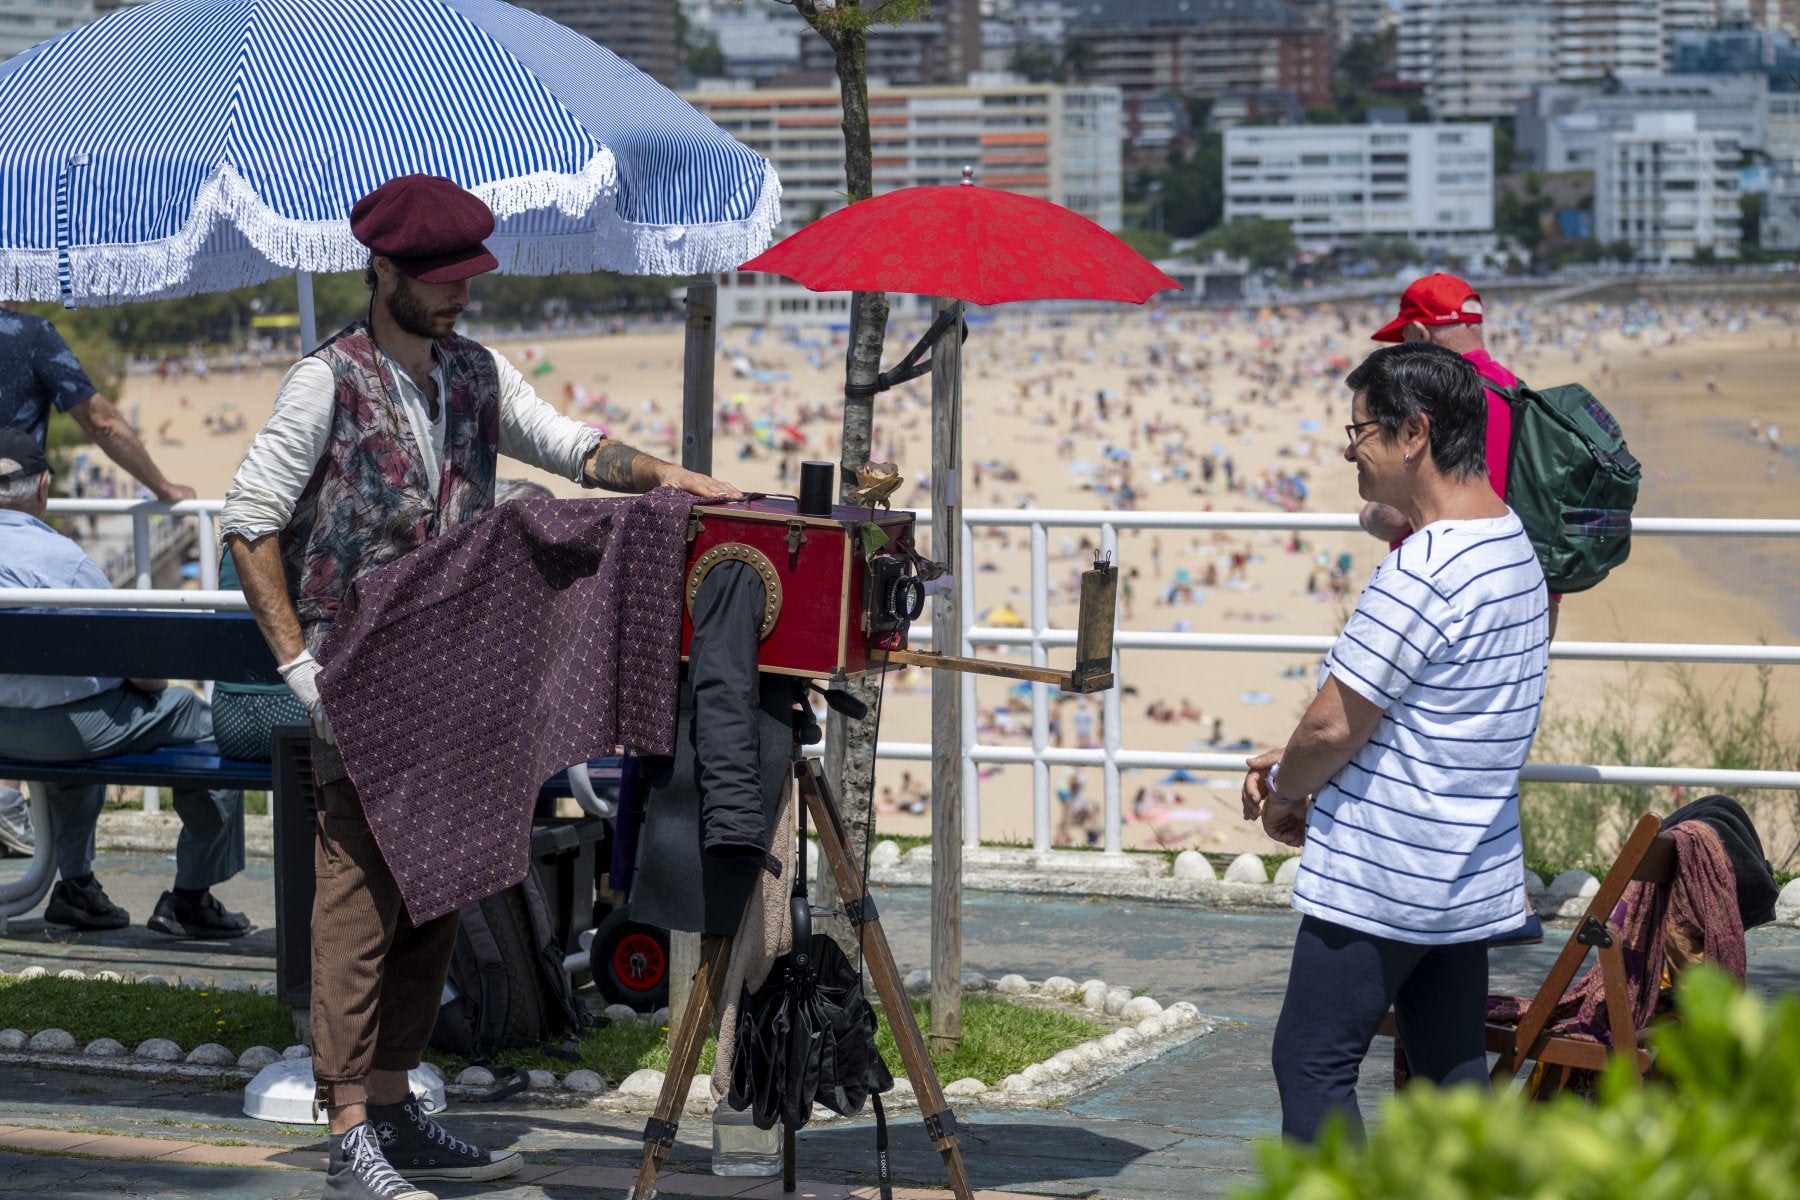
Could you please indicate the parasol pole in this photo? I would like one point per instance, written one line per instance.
(309, 320)
(696, 455)
(946, 688)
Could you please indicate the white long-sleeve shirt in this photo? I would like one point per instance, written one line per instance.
(288, 449)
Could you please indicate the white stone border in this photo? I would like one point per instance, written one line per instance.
(1143, 1029)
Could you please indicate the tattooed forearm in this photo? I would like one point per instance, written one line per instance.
(614, 466)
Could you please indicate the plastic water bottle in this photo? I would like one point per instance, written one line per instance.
(740, 1148)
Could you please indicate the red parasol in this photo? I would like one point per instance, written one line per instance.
(970, 243)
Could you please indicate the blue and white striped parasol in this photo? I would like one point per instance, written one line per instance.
(185, 146)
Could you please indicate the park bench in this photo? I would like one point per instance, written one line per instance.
(228, 647)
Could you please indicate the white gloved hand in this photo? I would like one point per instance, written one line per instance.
(302, 678)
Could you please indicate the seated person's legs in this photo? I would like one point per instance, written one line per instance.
(78, 900)
(210, 850)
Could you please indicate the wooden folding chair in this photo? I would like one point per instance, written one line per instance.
(1647, 856)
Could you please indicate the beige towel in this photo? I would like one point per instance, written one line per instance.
(764, 934)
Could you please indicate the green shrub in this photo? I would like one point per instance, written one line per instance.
(1730, 726)
(1724, 1124)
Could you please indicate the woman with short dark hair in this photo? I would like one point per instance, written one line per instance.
(1401, 781)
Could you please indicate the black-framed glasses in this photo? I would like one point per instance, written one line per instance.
(1352, 427)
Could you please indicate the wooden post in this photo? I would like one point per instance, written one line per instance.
(946, 689)
(697, 377)
(696, 455)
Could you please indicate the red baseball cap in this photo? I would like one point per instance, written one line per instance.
(431, 228)
(1438, 299)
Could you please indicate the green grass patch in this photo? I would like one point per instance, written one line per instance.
(614, 1052)
(132, 1012)
(999, 1039)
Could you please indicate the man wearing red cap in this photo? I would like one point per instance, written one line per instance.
(1446, 311)
(383, 438)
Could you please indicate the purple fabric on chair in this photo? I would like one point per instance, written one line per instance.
(460, 677)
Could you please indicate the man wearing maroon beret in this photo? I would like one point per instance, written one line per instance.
(1445, 311)
(381, 439)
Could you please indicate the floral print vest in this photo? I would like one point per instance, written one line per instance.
(368, 501)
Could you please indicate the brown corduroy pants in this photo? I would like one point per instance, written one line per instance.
(376, 977)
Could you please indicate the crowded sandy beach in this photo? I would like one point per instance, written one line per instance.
(1173, 409)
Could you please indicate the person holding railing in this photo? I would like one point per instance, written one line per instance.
(1401, 781)
(54, 719)
(38, 371)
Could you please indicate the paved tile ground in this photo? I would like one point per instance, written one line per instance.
(1180, 1127)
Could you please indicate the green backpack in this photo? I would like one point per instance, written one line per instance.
(1572, 482)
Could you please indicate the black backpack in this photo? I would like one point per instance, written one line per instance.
(511, 988)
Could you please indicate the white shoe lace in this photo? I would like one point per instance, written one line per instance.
(367, 1161)
(438, 1133)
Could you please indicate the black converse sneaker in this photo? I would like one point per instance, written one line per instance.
(356, 1170)
(420, 1148)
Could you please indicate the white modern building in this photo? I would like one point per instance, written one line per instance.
(1062, 144)
(1568, 126)
(1780, 228)
(1783, 141)
(1669, 189)
(25, 23)
(1338, 184)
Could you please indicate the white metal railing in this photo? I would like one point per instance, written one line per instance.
(1040, 637)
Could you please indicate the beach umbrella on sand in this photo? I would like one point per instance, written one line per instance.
(185, 146)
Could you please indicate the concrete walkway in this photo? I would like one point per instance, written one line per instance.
(1180, 1127)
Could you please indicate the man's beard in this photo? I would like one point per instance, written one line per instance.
(410, 313)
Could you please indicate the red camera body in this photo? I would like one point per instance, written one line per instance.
(830, 582)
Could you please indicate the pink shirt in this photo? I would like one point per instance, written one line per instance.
(1499, 425)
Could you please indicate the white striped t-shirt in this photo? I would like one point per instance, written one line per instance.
(1417, 838)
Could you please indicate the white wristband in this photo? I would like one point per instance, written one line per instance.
(1275, 782)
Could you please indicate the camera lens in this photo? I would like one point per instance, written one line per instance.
(905, 598)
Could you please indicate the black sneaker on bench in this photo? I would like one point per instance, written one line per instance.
(420, 1148)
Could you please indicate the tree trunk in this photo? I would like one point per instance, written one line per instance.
(850, 752)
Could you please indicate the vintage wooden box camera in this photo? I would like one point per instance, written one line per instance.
(837, 595)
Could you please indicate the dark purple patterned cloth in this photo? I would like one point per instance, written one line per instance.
(460, 677)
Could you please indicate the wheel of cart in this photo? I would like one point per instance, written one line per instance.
(629, 962)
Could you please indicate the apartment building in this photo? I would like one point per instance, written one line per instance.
(1479, 58)
(642, 32)
(1476, 58)
(1062, 144)
(25, 23)
(1569, 126)
(1669, 189)
(1203, 47)
(1338, 184)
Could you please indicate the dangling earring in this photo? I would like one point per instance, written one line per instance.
(1407, 459)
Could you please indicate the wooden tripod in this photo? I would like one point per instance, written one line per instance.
(703, 1001)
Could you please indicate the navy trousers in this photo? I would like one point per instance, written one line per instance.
(1341, 985)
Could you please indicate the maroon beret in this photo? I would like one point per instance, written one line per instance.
(431, 228)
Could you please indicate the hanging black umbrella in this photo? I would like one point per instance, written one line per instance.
(808, 1034)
